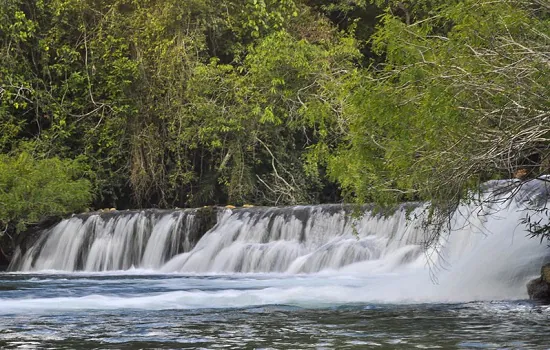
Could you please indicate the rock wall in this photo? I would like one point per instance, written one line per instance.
(539, 288)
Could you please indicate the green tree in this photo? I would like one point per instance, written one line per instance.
(458, 100)
(31, 189)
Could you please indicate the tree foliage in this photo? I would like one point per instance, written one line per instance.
(459, 99)
(182, 104)
(189, 103)
(32, 188)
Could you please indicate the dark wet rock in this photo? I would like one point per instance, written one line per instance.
(545, 273)
(205, 219)
(4, 262)
(539, 288)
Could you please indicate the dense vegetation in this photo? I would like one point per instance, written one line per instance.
(134, 103)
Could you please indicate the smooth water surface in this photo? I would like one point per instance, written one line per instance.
(323, 311)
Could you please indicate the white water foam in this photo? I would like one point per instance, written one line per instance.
(305, 291)
(112, 241)
(486, 256)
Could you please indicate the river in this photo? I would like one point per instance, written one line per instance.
(138, 310)
(278, 278)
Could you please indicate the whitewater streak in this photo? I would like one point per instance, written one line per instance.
(487, 254)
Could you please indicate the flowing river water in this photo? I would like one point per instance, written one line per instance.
(295, 277)
(84, 311)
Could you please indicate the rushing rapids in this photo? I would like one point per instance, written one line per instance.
(487, 251)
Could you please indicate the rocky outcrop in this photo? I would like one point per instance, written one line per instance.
(539, 288)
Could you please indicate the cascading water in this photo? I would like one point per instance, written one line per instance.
(112, 241)
(297, 277)
(302, 239)
(486, 254)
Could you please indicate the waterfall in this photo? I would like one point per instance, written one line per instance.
(301, 239)
(485, 241)
(112, 241)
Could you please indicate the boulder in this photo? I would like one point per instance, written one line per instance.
(539, 288)
(545, 273)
